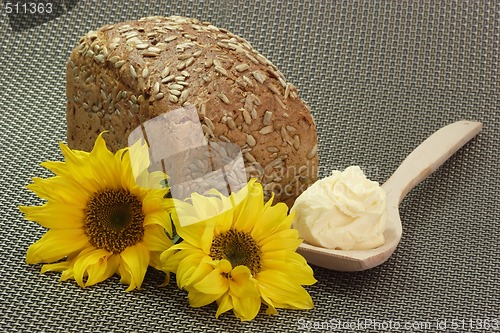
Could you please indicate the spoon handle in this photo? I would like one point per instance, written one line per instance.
(429, 156)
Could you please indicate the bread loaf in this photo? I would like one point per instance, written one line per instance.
(127, 73)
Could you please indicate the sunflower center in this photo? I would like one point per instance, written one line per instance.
(239, 248)
(114, 220)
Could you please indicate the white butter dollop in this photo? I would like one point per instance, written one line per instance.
(345, 211)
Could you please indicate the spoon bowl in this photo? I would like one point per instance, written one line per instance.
(424, 160)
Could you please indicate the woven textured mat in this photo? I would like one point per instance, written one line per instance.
(379, 77)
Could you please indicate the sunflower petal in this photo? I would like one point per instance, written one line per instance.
(136, 160)
(135, 261)
(246, 308)
(54, 215)
(271, 220)
(187, 267)
(67, 274)
(198, 234)
(125, 276)
(251, 210)
(207, 206)
(238, 199)
(224, 221)
(105, 168)
(172, 257)
(291, 265)
(155, 202)
(56, 244)
(155, 262)
(271, 309)
(156, 239)
(84, 261)
(57, 188)
(203, 269)
(283, 240)
(103, 269)
(56, 267)
(280, 288)
(56, 167)
(71, 157)
(197, 299)
(214, 283)
(242, 284)
(224, 266)
(160, 218)
(100, 151)
(225, 304)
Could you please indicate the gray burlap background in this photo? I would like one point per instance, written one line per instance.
(380, 77)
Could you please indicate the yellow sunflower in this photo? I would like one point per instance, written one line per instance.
(241, 258)
(105, 213)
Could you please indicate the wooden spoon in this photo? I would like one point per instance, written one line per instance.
(424, 160)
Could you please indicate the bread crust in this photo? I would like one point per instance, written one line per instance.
(127, 73)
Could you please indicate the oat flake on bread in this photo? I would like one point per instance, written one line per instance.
(129, 72)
